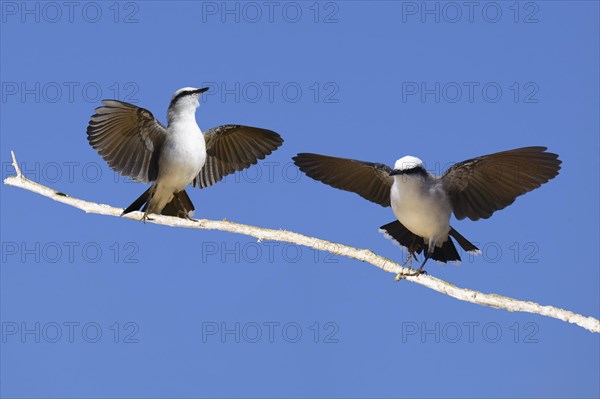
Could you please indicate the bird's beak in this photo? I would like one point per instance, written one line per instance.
(395, 172)
(202, 90)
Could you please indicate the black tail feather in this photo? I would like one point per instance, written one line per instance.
(462, 241)
(138, 203)
(447, 252)
(181, 205)
(416, 245)
(397, 232)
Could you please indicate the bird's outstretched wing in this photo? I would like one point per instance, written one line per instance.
(480, 186)
(372, 181)
(129, 139)
(231, 148)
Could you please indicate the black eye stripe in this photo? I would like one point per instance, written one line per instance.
(183, 94)
(417, 170)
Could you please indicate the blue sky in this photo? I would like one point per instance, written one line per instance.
(94, 306)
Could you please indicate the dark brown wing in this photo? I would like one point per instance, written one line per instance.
(480, 186)
(372, 181)
(231, 148)
(129, 139)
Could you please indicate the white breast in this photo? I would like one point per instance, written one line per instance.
(183, 155)
(422, 207)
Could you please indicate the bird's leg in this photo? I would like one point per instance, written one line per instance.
(420, 269)
(408, 260)
(147, 206)
(413, 273)
(427, 253)
(411, 251)
(183, 213)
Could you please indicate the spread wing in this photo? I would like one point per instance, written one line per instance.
(231, 148)
(372, 181)
(480, 186)
(129, 139)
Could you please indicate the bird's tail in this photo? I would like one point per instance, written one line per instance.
(416, 245)
(463, 242)
(138, 203)
(181, 205)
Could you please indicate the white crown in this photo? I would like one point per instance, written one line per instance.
(407, 162)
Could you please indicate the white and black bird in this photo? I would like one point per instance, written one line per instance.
(137, 145)
(423, 202)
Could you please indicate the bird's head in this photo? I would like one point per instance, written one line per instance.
(407, 165)
(186, 98)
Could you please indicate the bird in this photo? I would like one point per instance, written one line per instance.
(135, 144)
(423, 202)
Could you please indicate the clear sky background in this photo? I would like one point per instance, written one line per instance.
(96, 306)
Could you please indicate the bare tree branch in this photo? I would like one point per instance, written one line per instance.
(364, 255)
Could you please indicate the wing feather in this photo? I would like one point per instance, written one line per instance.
(371, 181)
(480, 186)
(128, 138)
(231, 148)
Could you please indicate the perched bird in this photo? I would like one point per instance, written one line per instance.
(136, 145)
(423, 202)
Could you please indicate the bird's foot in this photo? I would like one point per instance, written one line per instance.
(420, 269)
(185, 215)
(146, 217)
(411, 273)
(188, 217)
